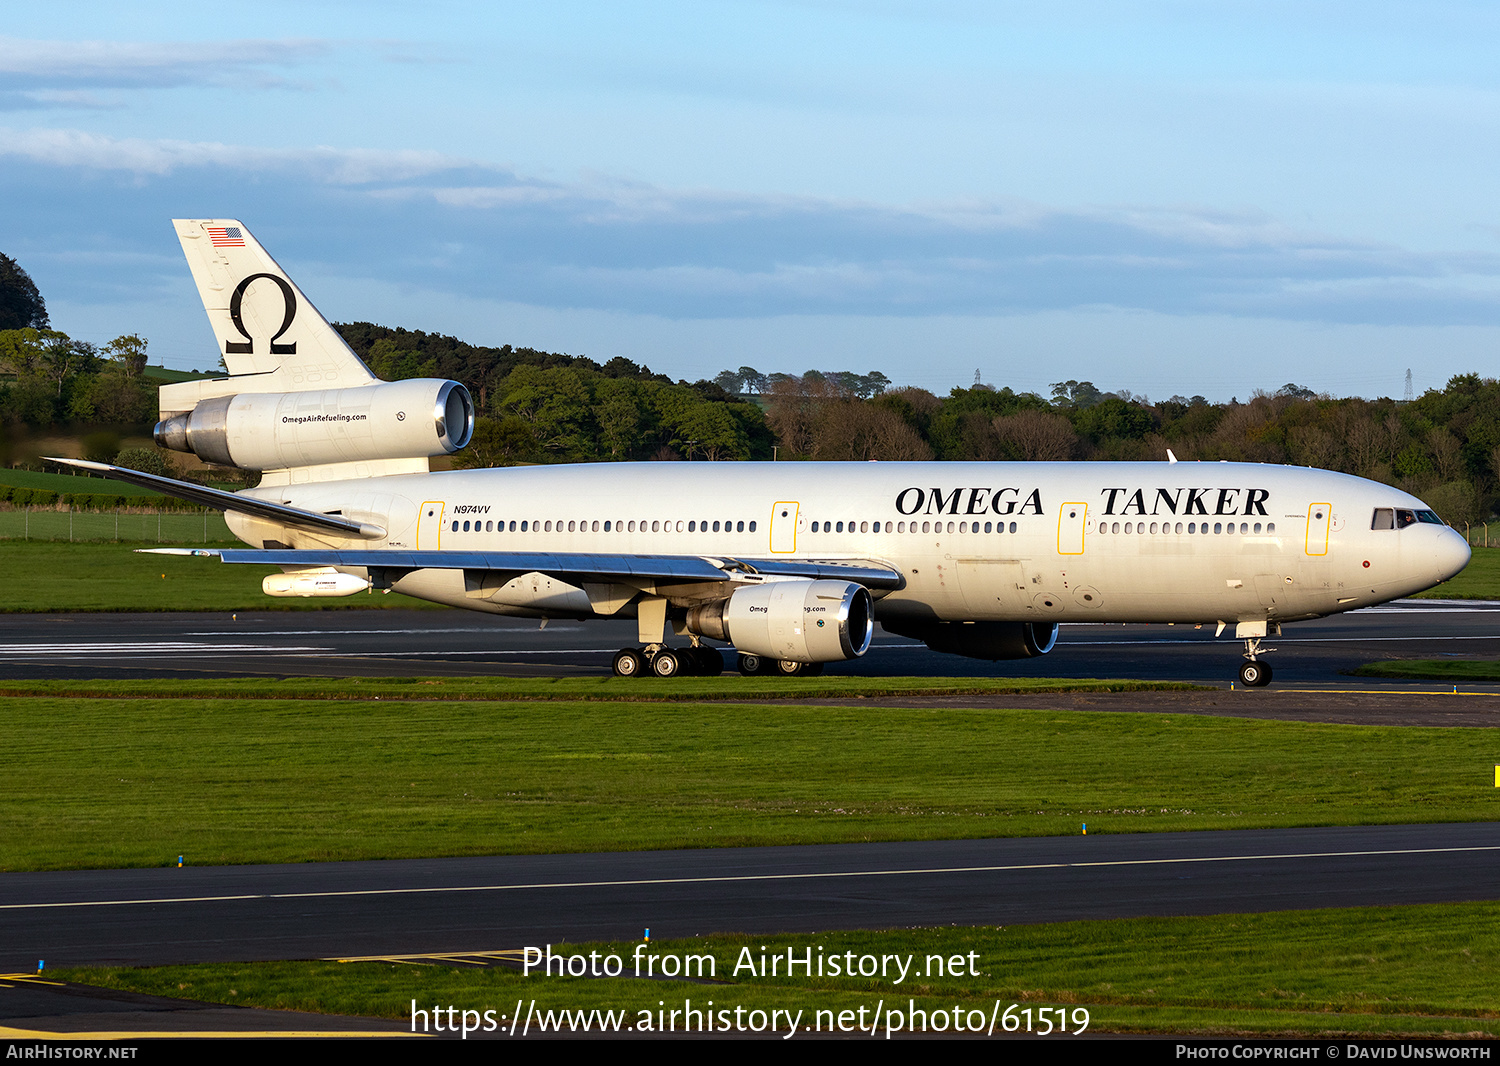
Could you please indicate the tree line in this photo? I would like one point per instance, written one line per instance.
(546, 407)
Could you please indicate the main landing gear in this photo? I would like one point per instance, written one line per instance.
(702, 661)
(660, 661)
(760, 666)
(1255, 673)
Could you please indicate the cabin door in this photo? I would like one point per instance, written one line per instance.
(430, 526)
(1071, 521)
(784, 526)
(1319, 520)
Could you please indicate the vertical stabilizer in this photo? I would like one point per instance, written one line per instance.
(263, 323)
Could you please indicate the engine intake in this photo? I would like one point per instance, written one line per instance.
(410, 419)
(799, 620)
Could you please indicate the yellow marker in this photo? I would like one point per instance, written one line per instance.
(1497, 777)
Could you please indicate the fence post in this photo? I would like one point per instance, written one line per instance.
(70, 523)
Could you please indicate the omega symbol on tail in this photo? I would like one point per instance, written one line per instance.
(247, 346)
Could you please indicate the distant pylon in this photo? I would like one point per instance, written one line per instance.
(1408, 385)
(976, 377)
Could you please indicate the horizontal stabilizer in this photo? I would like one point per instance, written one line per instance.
(220, 500)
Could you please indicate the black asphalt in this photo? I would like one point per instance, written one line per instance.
(323, 910)
(402, 643)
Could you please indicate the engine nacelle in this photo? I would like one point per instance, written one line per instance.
(411, 419)
(979, 640)
(800, 620)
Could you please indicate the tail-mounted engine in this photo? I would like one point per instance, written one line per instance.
(412, 419)
(798, 620)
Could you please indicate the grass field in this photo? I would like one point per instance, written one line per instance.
(50, 576)
(125, 780)
(60, 483)
(1422, 970)
(1480, 580)
(1474, 671)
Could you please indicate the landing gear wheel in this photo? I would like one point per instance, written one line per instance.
(753, 665)
(1254, 673)
(629, 663)
(787, 668)
(667, 663)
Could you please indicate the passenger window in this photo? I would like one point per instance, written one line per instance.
(752, 527)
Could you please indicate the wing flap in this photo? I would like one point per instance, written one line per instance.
(573, 567)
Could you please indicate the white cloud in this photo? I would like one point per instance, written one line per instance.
(146, 64)
(339, 166)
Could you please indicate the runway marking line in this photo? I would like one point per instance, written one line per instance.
(205, 1034)
(729, 879)
(512, 954)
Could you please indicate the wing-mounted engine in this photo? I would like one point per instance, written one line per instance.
(979, 640)
(412, 419)
(794, 620)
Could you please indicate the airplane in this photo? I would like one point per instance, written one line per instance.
(790, 563)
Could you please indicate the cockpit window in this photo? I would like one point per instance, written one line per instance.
(1430, 518)
(1405, 518)
(1385, 518)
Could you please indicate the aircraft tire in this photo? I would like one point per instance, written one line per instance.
(788, 668)
(709, 661)
(753, 665)
(629, 663)
(1255, 674)
(667, 663)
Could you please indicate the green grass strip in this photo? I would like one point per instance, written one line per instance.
(1480, 580)
(58, 576)
(98, 782)
(1477, 671)
(1419, 970)
(1456, 670)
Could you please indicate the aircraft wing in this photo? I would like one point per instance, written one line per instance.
(571, 567)
(220, 500)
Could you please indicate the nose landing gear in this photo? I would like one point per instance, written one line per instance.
(1255, 673)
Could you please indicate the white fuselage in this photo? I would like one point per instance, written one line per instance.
(1107, 542)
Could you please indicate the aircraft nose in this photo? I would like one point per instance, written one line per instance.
(1451, 554)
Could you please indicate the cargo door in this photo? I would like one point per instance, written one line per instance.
(784, 526)
(430, 526)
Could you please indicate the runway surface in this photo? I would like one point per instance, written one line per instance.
(404, 643)
(321, 910)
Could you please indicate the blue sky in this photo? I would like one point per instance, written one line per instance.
(1165, 197)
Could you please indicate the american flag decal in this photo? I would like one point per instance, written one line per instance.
(226, 236)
